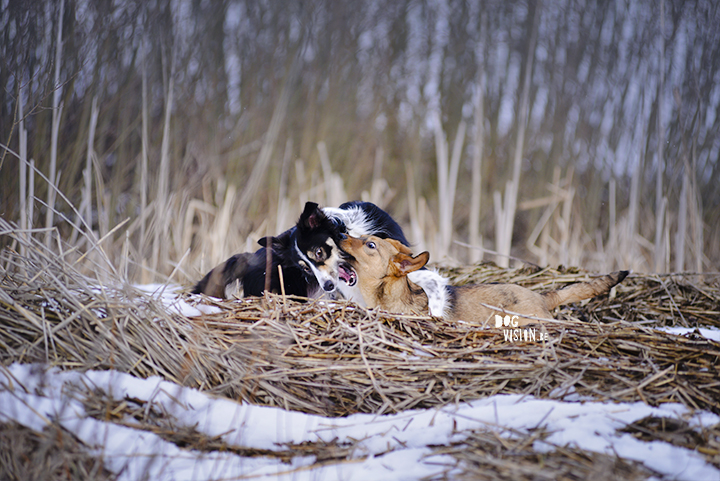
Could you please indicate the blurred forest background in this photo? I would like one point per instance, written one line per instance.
(580, 132)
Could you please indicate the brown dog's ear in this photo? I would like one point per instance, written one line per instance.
(399, 246)
(403, 264)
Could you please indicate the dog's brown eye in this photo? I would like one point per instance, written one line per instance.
(319, 253)
(371, 245)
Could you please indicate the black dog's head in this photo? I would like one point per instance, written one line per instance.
(316, 248)
(313, 246)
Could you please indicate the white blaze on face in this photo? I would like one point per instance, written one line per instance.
(326, 275)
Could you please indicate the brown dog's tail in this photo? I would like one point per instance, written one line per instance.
(583, 290)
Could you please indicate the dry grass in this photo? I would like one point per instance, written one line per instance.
(275, 351)
(53, 454)
(489, 455)
(137, 414)
(335, 359)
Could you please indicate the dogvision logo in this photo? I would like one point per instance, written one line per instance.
(513, 333)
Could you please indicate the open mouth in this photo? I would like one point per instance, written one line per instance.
(347, 274)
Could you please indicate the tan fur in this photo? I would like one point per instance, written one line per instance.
(382, 278)
(382, 274)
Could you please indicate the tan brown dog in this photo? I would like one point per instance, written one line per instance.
(382, 266)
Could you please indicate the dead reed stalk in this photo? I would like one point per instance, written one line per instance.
(144, 177)
(22, 141)
(505, 211)
(159, 255)
(476, 254)
(55, 126)
(447, 168)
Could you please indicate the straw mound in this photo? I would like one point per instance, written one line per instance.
(335, 359)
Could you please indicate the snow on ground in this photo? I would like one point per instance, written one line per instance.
(387, 447)
(391, 446)
(168, 295)
(708, 333)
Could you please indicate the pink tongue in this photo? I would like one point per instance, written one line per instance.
(347, 275)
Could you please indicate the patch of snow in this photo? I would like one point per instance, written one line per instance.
(711, 333)
(394, 446)
(168, 295)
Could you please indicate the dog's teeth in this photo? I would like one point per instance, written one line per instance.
(347, 275)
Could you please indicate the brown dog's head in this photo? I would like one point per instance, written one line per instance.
(374, 258)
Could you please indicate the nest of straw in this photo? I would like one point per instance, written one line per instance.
(336, 359)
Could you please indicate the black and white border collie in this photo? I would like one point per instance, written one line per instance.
(312, 262)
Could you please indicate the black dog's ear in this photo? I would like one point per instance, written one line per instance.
(311, 217)
(310, 207)
(278, 242)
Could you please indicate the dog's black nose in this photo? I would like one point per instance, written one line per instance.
(329, 286)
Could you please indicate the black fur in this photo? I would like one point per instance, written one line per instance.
(382, 225)
(296, 282)
(452, 295)
(312, 229)
(233, 268)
